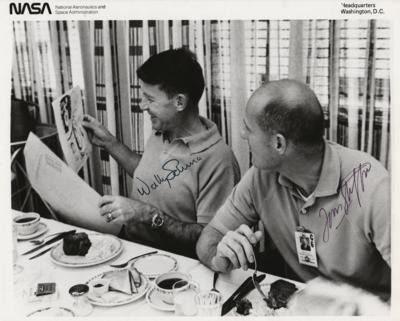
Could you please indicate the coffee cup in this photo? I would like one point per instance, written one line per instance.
(27, 223)
(99, 287)
(164, 284)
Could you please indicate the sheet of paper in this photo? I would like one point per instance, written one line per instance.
(57, 184)
(68, 114)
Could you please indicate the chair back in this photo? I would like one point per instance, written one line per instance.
(21, 120)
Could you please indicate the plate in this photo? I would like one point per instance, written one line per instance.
(104, 247)
(155, 264)
(154, 300)
(260, 308)
(52, 312)
(42, 229)
(113, 298)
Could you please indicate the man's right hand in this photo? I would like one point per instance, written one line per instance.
(98, 134)
(235, 249)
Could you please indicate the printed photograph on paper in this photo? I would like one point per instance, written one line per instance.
(322, 234)
(68, 114)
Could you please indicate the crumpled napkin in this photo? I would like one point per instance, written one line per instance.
(324, 297)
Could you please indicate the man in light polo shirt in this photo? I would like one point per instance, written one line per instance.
(303, 186)
(186, 171)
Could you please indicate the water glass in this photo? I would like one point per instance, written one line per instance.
(81, 305)
(17, 268)
(208, 303)
(184, 292)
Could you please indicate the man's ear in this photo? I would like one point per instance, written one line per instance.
(181, 101)
(280, 143)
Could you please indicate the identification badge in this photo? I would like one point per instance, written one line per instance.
(305, 246)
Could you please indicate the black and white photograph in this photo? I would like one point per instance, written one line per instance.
(200, 167)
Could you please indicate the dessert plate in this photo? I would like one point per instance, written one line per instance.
(52, 312)
(260, 308)
(114, 298)
(155, 301)
(41, 229)
(104, 247)
(155, 264)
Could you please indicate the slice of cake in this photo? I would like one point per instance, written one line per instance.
(280, 293)
(121, 281)
(76, 244)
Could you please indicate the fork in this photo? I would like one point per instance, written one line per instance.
(255, 282)
(41, 241)
(122, 265)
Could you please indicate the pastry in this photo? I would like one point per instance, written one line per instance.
(280, 293)
(76, 244)
(243, 306)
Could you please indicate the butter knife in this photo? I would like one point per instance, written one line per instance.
(43, 252)
(52, 240)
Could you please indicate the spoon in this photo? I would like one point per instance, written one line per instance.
(216, 274)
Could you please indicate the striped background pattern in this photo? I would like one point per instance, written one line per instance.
(347, 64)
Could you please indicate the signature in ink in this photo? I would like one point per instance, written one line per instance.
(173, 169)
(352, 186)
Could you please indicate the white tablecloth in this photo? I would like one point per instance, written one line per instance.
(42, 269)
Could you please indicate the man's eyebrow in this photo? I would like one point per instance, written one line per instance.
(147, 95)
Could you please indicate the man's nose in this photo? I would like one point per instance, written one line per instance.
(143, 105)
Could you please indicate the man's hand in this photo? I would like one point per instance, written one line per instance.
(98, 134)
(125, 210)
(235, 249)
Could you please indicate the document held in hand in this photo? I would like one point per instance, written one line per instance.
(57, 184)
(68, 114)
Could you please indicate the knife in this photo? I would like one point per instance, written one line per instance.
(240, 292)
(41, 253)
(52, 240)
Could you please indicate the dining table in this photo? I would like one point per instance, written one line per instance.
(44, 270)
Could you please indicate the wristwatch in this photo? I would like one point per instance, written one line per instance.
(157, 221)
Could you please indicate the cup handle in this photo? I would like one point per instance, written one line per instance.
(194, 285)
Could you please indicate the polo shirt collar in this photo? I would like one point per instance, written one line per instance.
(329, 179)
(204, 140)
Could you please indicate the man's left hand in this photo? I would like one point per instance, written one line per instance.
(122, 209)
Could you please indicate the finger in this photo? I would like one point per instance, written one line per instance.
(104, 210)
(110, 217)
(224, 251)
(258, 235)
(246, 246)
(247, 232)
(237, 248)
(87, 118)
(106, 199)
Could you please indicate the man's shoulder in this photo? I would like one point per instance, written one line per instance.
(352, 159)
(257, 178)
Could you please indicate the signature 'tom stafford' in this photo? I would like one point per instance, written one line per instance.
(352, 185)
(173, 169)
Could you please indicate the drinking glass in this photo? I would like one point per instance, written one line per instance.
(81, 305)
(184, 292)
(16, 267)
(208, 303)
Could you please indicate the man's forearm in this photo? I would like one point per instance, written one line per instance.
(126, 158)
(172, 234)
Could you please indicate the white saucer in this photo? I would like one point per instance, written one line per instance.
(154, 300)
(52, 312)
(42, 229)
